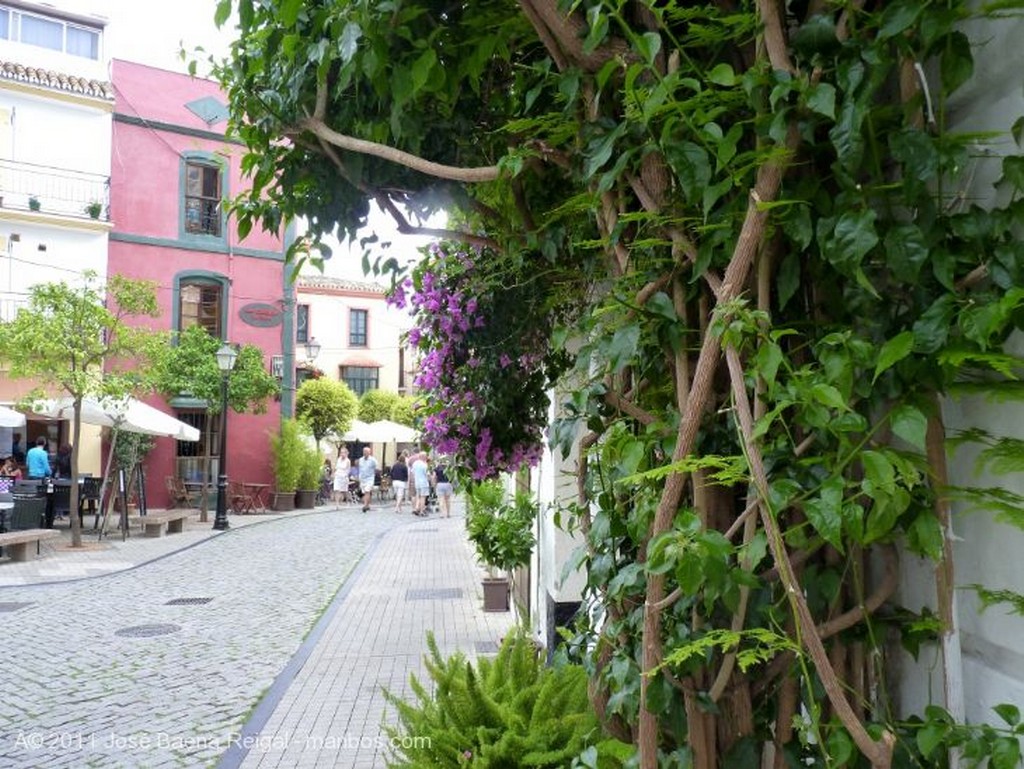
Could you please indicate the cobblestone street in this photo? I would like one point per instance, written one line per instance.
(162, 664)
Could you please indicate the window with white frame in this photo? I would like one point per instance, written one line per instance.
(55, 34)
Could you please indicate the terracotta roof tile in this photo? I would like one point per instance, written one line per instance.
(338, 284)
(58, 81)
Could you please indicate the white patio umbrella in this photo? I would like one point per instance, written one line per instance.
(11, 418)
(385, 431)
(126, 413)
(355, 431)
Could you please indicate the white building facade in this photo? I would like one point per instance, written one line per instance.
(56, 104)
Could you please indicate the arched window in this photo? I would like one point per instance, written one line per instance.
(201, 300)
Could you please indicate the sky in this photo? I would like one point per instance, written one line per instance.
(154, 33)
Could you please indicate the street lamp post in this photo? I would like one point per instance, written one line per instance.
(226, 356)
(312, 349)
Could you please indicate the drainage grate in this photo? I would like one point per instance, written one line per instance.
(147, 631)
(187, 601)
(485, 647)
(433, 594)
(9, 606)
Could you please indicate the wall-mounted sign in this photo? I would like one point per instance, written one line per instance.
(261, 314)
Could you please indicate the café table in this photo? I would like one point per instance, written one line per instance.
(252, 499)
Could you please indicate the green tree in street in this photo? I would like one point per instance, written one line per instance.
(740, 239)
(77, 341)
(325, 407)
(375, 405)
(403, 411)
(189, 367)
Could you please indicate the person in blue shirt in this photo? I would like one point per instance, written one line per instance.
(37, 461)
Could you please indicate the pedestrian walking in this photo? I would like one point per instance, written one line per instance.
(421, 483)
(367, 476)
(341, 470)
(399, 481)
(444, 489)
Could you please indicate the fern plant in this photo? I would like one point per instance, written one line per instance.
(512, 711)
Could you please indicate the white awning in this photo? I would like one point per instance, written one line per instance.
(128, 414)
(11, 418)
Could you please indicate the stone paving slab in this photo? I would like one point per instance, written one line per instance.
(332, 711)
(283, 667)
(77, 690)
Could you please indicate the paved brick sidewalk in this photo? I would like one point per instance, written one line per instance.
(59, 562)
(327, 709)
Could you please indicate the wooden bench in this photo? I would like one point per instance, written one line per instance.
(17, 542)
(153, 523)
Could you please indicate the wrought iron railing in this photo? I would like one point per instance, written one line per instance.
(9, 307)
(60, 191)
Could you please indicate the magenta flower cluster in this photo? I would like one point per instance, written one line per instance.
(481, 376)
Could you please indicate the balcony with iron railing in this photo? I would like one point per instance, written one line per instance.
(9, 306)
(53, 191)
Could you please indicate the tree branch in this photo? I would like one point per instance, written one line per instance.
(438, 170)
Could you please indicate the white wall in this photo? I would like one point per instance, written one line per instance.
(987, 552)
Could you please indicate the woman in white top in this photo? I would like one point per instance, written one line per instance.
(341, 470)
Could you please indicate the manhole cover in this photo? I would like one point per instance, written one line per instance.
(433, 594)
(8, 606)
(187, 601)
(147, 631)
(485, 647)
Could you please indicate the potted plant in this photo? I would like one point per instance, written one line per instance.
(310, 470)
(33, 203)
(94, 209)
(287, 450)
(502, 533)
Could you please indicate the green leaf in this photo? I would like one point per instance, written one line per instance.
(1005, 753)
(349, 42)
(648, 45)
(789, 278)
(623, 347)
(661, 305)
(816, 36)
(821, 98)
(910, 424)
(421, 68)
(1009, 713)
(692, 167)
(850, 240)
(956, 64)
(827, 395)
(925, 536)
(723, 75)
(1013, 171)
(825, 512)
(930, 736)
(289, 12)
(905, 251)
(932, 329)
(223, 12)
(898, 17)
(893, 351)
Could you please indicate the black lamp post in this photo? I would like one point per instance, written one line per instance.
(226, 356)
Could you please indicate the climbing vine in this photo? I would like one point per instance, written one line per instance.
(755, 261)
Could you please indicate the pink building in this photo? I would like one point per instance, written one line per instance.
(172, 169)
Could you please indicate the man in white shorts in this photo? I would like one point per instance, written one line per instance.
(367, 476)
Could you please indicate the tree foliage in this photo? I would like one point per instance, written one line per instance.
(375, 405)
(760, 258)
(325, 407)
(403, 410)
(78, 341)
(189, 367)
